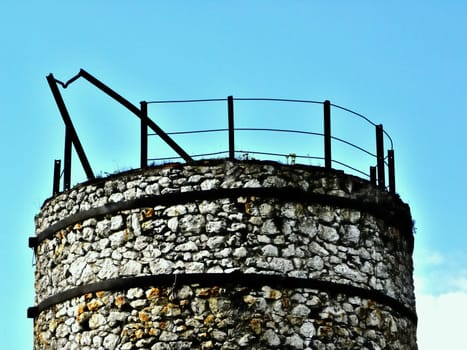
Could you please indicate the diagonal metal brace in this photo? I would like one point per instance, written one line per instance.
(162, 134)
(70, 129)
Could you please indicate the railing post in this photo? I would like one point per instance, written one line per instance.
(380, 155)
(327, 134)
(373, 175)
(391, 172)
(144, 135)
(57, 169)
(67, 161)
(230, 109)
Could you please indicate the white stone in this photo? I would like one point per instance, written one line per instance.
(300, 311)
(107, 270)
(77, 267)
(168, 336)
(110, 341)
(215, 242)
(164, 181)
(187, 247)
(215, 226)
(270, 250)
(102, 227)
(194, 267)
(175, 210)
(135, 225)
(271, 338)
(172, 223)
(316, 263)
(208, 207)
(281, 265)
(244, 341)
(307, 330)
(134, 293)
(269, 227)
(328, 234)
(351, 234)
(184, 292)
(96, 320)
(116, 197)
(316, 248)
(253, 183)
(131, 268)
(161, 266)
(140, 243)
(294, 341)
(116, 222)
(345, 271)
(117, 238)
(102, 243)
(240, 252)
(266, 210)
(210, 184)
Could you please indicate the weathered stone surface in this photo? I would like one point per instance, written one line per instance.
(247, 234)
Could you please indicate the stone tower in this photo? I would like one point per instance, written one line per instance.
(224, 254)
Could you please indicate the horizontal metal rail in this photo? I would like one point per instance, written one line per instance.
(393, 216)
(250, 280)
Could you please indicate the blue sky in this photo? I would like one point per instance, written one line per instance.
(402, 64)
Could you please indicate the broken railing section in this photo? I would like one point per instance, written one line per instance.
(376, 175)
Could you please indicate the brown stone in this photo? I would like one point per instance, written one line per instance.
(120, 301)
(143, 316)
(153, 293)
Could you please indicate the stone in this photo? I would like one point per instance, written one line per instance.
(134, 293)
(270, 293)
(96, 320)
(351, 235)
(327, 233)
(271, 338)
(175, 210)
(110, 341)
(215, 242)
(210, 184)
(172, 224)
(270, 250)
(116, 197)
(77, 266)
(168, 336)
(194, 267)
(294, 341)
(161, 266)
(308, 330)
(300, 311)
(117, 238)
(107, 270)
(132, 268)
(244, 341)
(240, 252)
(281, 265)
(116, 222)
(266, 210)
(316, 263)
(135, 225)
(187, 247)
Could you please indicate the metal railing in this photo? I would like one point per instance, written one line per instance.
(377, 171)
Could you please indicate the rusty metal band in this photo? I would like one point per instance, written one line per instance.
(236, 278)
(396, 216)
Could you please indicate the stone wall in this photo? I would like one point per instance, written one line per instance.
(301, 224)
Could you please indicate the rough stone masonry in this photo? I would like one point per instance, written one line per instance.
(224, 255)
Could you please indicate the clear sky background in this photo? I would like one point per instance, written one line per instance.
(402, 64)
